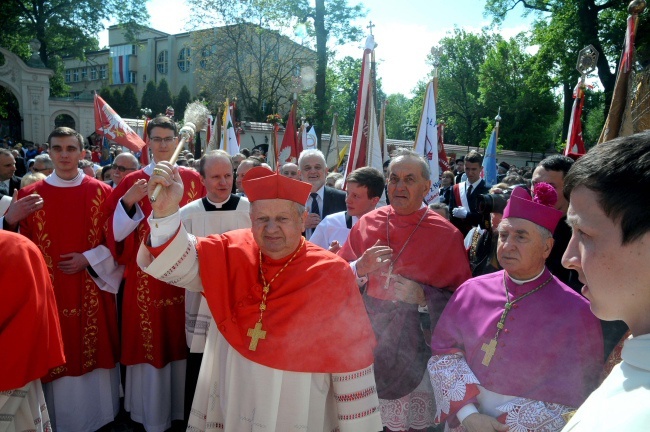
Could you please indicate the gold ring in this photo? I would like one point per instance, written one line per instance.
(158, 171)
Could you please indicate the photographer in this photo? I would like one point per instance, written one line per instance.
(481, 243)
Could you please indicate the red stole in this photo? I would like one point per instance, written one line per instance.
(31, 336)
(434, 256)
(315, 319)
(153, 312)
(87, 314)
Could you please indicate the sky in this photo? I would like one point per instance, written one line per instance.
(405, 31)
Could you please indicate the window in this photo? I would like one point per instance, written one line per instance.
(84, 74)
(75, 75)
(132, 77)
(184, 60)
(93, 73)
(205, 54)
(102, 72)
(163, 62)
(67, 75)
(133, 49)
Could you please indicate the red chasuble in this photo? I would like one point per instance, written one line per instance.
(153, 312)
(434, 256)
(315, 321)
(71, 220)
(30, 336)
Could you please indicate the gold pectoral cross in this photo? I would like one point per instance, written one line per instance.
(489, 350)
(256, 334)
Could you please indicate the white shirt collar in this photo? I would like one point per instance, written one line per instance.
(474, 185)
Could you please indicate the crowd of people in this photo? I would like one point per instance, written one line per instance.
(240, 298)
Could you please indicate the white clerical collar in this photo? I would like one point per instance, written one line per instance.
(218, 204)
(521, 282)
(54, 180)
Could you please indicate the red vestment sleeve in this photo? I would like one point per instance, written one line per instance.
(30, 334)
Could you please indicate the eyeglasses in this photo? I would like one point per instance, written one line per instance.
(121, 168)
(38, 169)
(158, 140)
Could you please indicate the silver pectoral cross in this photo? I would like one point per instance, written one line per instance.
(389, 276)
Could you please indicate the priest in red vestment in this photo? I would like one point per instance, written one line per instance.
(293, 350)
(83, 393)
(413, 259)
(516, 349)
(153, 312)
(27, 308)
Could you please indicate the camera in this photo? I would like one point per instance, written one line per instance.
(495, 203)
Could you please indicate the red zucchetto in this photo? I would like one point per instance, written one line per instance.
(261, 183)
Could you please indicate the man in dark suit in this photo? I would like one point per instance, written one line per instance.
(463, 202)
(323, 200)
(8, 181)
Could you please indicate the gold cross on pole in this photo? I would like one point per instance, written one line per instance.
(489, 350)
(256, 334)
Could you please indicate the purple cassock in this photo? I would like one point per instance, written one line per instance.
(549, 350)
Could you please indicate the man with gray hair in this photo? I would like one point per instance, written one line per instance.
(43, 164)
(125, 163)
(323, 200)
(409, 257)
(491, 367)
(268, 288)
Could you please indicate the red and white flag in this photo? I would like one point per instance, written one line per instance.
(111, 125)
(575, 145)
(426, 142)
(289, 150)
(365, 147)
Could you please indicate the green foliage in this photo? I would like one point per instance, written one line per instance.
(593, 118)
(397, 124)
(63, 27)
(149, 99)
(130, 106)
(117, 102)
(324, 21)
(181, 101)
(163, 98)
(343, 81)
(459, 103)
(106, 94)
(509, 80)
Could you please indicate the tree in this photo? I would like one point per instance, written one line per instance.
(397, 124)
(181, 101)
(251, 62)
(106, 94)
(163, 98)
(130, 103)
(509, 80)
(64, 27)
(325, 21)
(563, 27)
(117, 102)
(343, 81)
(459, 103)
(149, 98)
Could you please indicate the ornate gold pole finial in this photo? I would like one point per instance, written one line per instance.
(636, 7)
